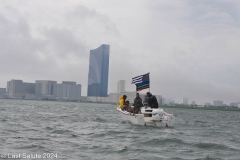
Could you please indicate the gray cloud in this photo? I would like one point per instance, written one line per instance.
(23, 56)
(63, 42)
(190, 48)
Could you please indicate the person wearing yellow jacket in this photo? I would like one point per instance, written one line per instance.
(122, 101)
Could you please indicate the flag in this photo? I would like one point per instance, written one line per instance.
(141, 82)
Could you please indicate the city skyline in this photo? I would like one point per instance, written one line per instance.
(189, 47)
(70, 90)
(42, 89)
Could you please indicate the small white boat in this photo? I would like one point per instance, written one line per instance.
(149, 117)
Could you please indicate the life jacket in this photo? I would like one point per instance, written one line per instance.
(121, 102)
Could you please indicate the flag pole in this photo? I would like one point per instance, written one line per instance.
(149, 81)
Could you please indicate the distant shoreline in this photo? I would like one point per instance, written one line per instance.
(51, 100)
(202, 108)
(164, 106)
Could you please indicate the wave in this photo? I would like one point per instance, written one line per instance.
(213, 146)
(96, 131)
(62, 131)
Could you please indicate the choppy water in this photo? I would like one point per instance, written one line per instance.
(95, 131)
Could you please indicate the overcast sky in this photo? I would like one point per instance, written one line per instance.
(191, 48)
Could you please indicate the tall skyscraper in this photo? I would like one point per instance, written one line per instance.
(98, 71)
(121, 86)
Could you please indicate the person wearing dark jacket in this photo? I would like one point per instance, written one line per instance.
(152, 100)
(137, 104)
(146, 99)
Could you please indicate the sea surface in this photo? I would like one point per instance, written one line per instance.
(85, 131)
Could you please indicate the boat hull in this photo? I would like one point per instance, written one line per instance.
(141, 119)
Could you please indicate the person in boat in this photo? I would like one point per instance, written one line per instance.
(127, 107)
(146, 99)
(152, 100)
(137, 104)
(145, 102)
(122, 101)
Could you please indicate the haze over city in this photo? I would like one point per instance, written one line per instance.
(190, 48)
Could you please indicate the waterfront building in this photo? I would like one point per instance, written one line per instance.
(18, 88)
(44, 87)
(207, 104)
(217, 103)
(234, 104)
(3, 92)
(185, 101)
(165, 101)
(28, 88)
(193, 103)
(171, 102)
(59, 91)
(67, 90)
(14, 88)
(121, 86)
(98, 71)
